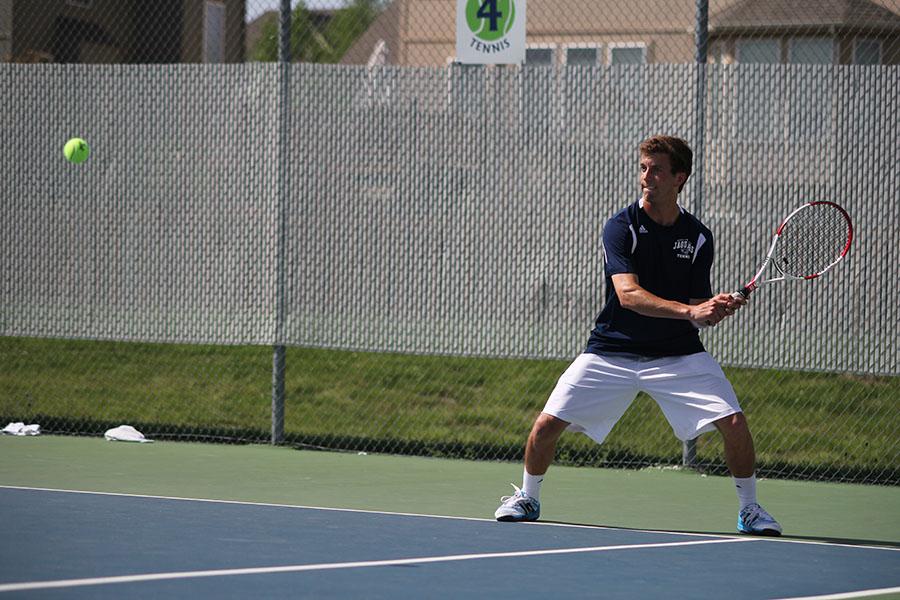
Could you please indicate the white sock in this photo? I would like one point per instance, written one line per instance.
(531, 484)
(746, 490)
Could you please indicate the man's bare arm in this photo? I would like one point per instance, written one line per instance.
(704, 311)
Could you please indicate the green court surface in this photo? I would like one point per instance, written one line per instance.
(661, 499)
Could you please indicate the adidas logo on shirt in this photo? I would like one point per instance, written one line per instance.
(642, 229)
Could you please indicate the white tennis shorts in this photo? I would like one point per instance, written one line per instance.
(595, 391)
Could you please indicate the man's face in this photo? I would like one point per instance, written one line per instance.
(657, 180)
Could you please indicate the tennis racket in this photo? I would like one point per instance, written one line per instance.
(809, 242)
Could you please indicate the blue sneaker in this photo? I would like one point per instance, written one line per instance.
(518, 507)
(754, 520)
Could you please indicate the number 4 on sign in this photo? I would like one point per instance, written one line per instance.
(488, 10)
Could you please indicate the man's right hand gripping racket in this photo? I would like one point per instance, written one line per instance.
(809, 242)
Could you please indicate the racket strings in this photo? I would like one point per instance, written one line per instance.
(811, 241)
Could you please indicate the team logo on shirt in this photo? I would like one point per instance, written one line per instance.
(684, 249)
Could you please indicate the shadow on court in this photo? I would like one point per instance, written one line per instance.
(799, 538)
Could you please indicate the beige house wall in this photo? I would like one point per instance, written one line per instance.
(428, 27)
(422, 32)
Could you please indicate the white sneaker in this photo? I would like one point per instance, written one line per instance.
(518, 507)
(753, 519)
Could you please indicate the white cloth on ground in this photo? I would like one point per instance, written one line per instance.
(22, 429)
(125, 433)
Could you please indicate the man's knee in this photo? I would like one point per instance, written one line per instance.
(733, 424)
(734, 428)
(547, 428)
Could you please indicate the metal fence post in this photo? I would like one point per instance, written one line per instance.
(278, 354)
(701, 41)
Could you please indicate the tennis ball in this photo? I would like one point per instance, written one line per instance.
(76, 150)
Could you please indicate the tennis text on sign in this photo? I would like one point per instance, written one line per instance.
(489, 48)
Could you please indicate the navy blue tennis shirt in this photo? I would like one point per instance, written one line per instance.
(671, 262)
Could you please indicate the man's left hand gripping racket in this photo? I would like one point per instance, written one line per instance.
(810, 241)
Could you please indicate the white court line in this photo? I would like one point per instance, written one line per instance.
(847, 595)
(359, 510)
(65, 583)
(456, 518)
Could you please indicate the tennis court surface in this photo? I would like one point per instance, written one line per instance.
(86, 518)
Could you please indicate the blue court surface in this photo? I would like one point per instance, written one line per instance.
(63, 544)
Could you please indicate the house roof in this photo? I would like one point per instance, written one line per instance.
(804, 14)
(386, 28)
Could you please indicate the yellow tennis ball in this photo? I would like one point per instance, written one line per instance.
(76, 150)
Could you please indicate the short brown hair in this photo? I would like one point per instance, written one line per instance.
(680, 155)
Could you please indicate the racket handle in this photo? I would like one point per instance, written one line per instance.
(744, 292)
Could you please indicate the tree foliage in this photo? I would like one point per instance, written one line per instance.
(317, 36)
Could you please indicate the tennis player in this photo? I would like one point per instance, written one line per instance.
(646, 339)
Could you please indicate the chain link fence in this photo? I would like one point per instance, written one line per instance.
(401, 254)
(560, 33)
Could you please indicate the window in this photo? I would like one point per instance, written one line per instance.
(214, 33)
(758, 51)
(539, 56)
(627, 54)
(866, 52)
(582, 56)
(717, 54)
(811, 51)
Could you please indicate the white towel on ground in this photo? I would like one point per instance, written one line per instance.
(125, 433)
(22, 429)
